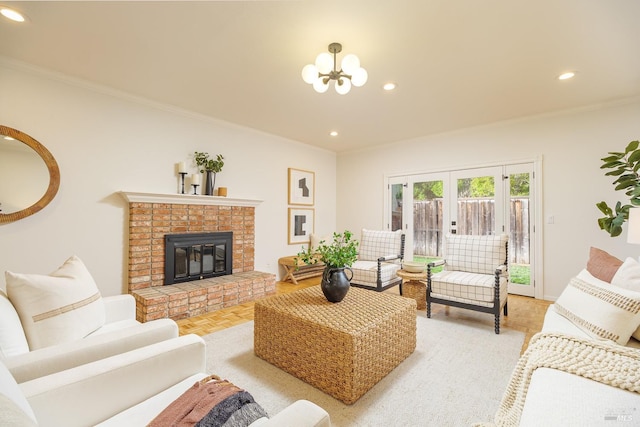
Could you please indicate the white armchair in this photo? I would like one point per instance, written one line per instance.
(380, 256)
(120, 333)
(474, 276)
(49, 323)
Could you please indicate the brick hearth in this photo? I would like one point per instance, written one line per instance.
(151, 216)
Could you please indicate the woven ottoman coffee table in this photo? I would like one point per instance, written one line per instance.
(342, 348)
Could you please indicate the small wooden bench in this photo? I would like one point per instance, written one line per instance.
(298, 271)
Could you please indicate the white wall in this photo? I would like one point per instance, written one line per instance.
(105, 142)
(570, 144)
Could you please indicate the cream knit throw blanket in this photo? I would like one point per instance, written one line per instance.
(600, 361)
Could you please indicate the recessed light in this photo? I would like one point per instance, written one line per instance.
(389, 86)
(333, 133)
(567, 75)
(11, 14)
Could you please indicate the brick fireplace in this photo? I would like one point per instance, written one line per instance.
(152, 216)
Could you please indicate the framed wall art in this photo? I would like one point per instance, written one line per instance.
(301, 225)
(301, 187)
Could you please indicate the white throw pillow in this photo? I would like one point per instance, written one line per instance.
(588, 277)
(628, 277)
(605, 312)
(63, 306)
(12, 339)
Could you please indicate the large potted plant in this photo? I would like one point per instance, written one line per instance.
(625, 167)
(337, 256)
(211, 167)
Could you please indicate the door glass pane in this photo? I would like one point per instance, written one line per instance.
(427, 220)
(476, 206)
(519, 241)
(396, 207)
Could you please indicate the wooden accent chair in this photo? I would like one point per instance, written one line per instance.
(475, 275)
(380, 256)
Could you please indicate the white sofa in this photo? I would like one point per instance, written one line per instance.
(128, 389)
(556, 397)
(120, 332)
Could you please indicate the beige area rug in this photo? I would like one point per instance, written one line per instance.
(456, 376)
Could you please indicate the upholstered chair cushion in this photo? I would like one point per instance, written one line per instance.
(475, 254)
(63, 306)
(471, 288)
(366, 272)
(379, 243)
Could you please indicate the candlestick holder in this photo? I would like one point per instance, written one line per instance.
(195, 188)
(182, 175)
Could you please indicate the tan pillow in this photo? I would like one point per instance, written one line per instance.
(63, 306)
(602, 265)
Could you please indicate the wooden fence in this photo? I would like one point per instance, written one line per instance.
(475, 216)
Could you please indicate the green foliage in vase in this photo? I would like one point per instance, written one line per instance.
(206, 164)
(342, 252)
(624, 166)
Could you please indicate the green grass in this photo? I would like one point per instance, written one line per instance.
(518, 273)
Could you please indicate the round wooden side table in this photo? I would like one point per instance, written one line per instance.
(414, 286)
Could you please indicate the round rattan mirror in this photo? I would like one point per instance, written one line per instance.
(14, 192)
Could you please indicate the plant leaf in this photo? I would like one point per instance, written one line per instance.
(611, 158)
(612, 164)
(634, 157)
(633, 145)
(604, 208)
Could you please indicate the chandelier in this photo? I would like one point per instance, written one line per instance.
(325, 69)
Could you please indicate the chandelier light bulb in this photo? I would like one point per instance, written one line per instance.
(343, 85)
(320, 86)
(324, 63)
(350, 64)
(359, 77)
(310, 73)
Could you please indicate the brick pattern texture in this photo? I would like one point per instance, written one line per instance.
(148, 224)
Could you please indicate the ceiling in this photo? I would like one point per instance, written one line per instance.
(456, 63)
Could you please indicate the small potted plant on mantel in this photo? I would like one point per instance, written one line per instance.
(211, 167)
(337, 257)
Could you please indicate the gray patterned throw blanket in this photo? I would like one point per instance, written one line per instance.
(600, 361)
(211, 402)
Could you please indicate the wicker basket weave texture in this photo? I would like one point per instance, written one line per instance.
(343, 348)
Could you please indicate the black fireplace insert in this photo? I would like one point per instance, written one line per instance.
(195, 256)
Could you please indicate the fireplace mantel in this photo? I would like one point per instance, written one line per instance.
(187, 199)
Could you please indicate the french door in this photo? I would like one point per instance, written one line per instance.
(480, 201)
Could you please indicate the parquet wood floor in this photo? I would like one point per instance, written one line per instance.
(525, 314)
